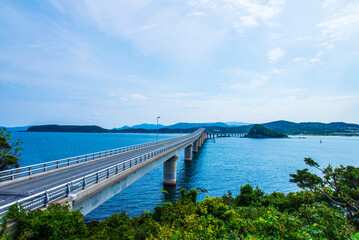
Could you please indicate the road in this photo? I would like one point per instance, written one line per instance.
(29, 187)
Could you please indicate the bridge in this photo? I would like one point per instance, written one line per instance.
(87, 181)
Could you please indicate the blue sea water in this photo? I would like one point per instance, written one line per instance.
(218, 167)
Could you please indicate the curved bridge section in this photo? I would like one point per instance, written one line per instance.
(87, 181)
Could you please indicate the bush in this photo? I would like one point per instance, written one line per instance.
(56, 222)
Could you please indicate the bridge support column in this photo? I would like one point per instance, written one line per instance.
(188, 153)
(169, 171)
(195, 146)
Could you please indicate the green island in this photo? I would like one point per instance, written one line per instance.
(67, 128)
(282, 127)
(259, 131)
(326, 208)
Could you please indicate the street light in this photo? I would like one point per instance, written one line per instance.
(157, 128)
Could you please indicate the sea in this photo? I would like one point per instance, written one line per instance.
(221, 165)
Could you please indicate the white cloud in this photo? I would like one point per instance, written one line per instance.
(275, 54)
(313, 60)
(258, 82)
(342, 23)
(295, 90)
(298, 59)
(276, 36)
(243, 14)
(134, 97)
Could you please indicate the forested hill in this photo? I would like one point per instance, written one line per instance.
(283, 127)
(313, 128)
(67, 128)
(258, 131)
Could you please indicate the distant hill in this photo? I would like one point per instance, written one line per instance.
(313, 128)
(148, 126)
(283, 127)
(259, 131)
(237, 124)
(67, 128)
(124, 127)
(182, 125)
(141, 126)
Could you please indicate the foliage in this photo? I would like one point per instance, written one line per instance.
(67, 128)
(9, 151)
(56, 222)
(259, 131)
(339, 185)
(320, 213)
(251, 214)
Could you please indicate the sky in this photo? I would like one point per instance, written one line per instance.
(115, 62)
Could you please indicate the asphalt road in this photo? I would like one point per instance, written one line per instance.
(23, 189)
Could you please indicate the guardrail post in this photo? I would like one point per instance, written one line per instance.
(124, 166)
(108, 172)
(68, 162)
(46, 199)
(97, 177)
(130, 163)
(29, 170)
(45, 167)
(78, 160)
(100, 154)
(86, 158)
(105, 153)
(68, 189)
(116, 169)
(57, 164)
(12, 175)
(93, 156)
(84, 183)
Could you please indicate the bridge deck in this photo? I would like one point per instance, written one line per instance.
(35, 185)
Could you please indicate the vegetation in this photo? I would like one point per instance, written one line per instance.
(283, 127)
(325, 209)
(339, 185)
(9, 151)
(258, 131)
(67, 128)
(249, 215)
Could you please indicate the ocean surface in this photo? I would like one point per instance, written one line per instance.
(218, 167)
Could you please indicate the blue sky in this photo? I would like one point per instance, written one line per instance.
(114, 62)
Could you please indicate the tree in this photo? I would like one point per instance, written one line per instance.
(9, 151)
(339, 185)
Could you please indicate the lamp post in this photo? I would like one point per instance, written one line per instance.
(157, 128)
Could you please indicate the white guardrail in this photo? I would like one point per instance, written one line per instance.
(43, 198)
(14, 173)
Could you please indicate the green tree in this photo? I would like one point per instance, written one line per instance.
(10, 151)
(339, 185)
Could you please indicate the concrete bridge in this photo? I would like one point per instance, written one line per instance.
(218, 135)
(87, 181)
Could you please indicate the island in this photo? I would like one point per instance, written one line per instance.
(67, 128)
(259, 131)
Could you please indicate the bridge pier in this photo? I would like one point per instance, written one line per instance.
(188, 153)
(169, 171)
(200, 142)
(195, 146)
